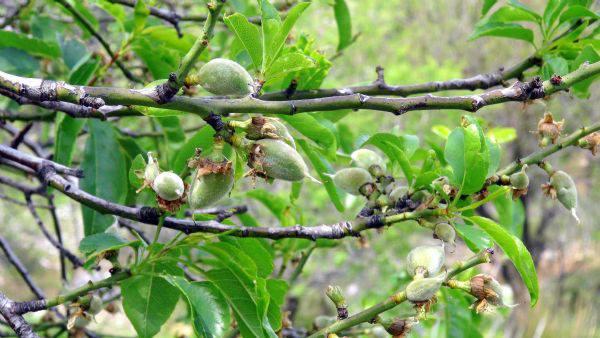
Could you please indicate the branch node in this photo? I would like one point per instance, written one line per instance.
(215, 121)
(149, 215)
(291, 89)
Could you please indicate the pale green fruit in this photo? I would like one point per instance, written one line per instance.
(95, 305)
(168, 186)
(80, 322)
(151, 170)
(365, 158)
(352, 179)
(422, 290)
(398, 193)
(225, 77)
(566, 191)
(261, 127)
(210, 188)
(445, 232)
(428, 258)
(520, 180)
(277, 159)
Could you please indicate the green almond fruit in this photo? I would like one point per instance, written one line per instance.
(277, 159)
(365, 158)
(168, 186)
(352, 179)
(208, 189)
(520, 180)
(566, 191)
(422, 290)
(427, 259)
(225, 77)
(445, 232)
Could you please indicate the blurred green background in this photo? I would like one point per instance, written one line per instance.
(415, 41)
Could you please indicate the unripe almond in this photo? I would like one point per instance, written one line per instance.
(95, 305)
(208, 189)
(260, 127)
(520, 180)
(352, 179)
(276, 159)
(79, 322)
(422, 290)
(365, 158)
(565, 190)
(225, 77)
(168, 186)
(426, 260)
(445, 232)
(398, 193)
(549, 130)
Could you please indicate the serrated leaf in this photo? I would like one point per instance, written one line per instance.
(310, 127)
(275, 45)
(287, 63)
(149, 300)
(105, 174)
(249, 36)
(505, 30)
(515, 250)
(208, 308)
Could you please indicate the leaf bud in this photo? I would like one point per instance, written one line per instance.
(225, 77)
(352, 179)
(334, 293)
(365, 158)
(426, 260)
(168, 186)
(152, 170)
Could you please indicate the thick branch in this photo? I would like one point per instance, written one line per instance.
(149, 97)
(36, 163)
(15, 320)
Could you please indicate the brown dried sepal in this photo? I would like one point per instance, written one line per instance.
(173, 206)
(516, 193)
(550, 129)
(591, 142)
(207, 166)
(424, 307)
(400, 328)
(549, 190)
(255, 162)
(481, 288)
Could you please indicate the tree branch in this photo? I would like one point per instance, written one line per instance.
(151, 97)
(396, 299)
(16, 262)
(14, 319)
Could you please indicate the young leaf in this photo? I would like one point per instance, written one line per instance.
(310, 127)
(249, 35)
(287, 63)
(105, 174)
(552, 11)
(149, 300)
(203, 139)
(501, 29)
(475, 238)
(467, 153)
(394, 147)
(275, 46)
(487, 5)
(460, 321)
(344, 24)
(512, 13)
(208, 308)
(515, 250)
(67, 129)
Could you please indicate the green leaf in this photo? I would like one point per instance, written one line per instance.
(16, 61)
(257, 250)
(159, 112)
(467, 153)
(475, 238)
(554, 65)
(105, 174)
(288, 63)
(460, 321)
(94, 245)
(344, 24)
(83, 71)
(323, 169)
(576, 12)
(160, 60)
(274, 47)
(512, 13)
(248, 34)
(67, 129)
(511, 213)
(495, 153)
(140, 13)
(279, 206)
(441, 131)
(32, 46)
(310, 127)
(208, 309)
(505, 30)
(277, 288)
(149, 300)
(552, 10)
(173, 135)
(241, 295)
(487, 5)
(515, 250)
(590, 55)
(502, 135)
(137, 165)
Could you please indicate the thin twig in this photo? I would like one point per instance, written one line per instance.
(16, 262)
